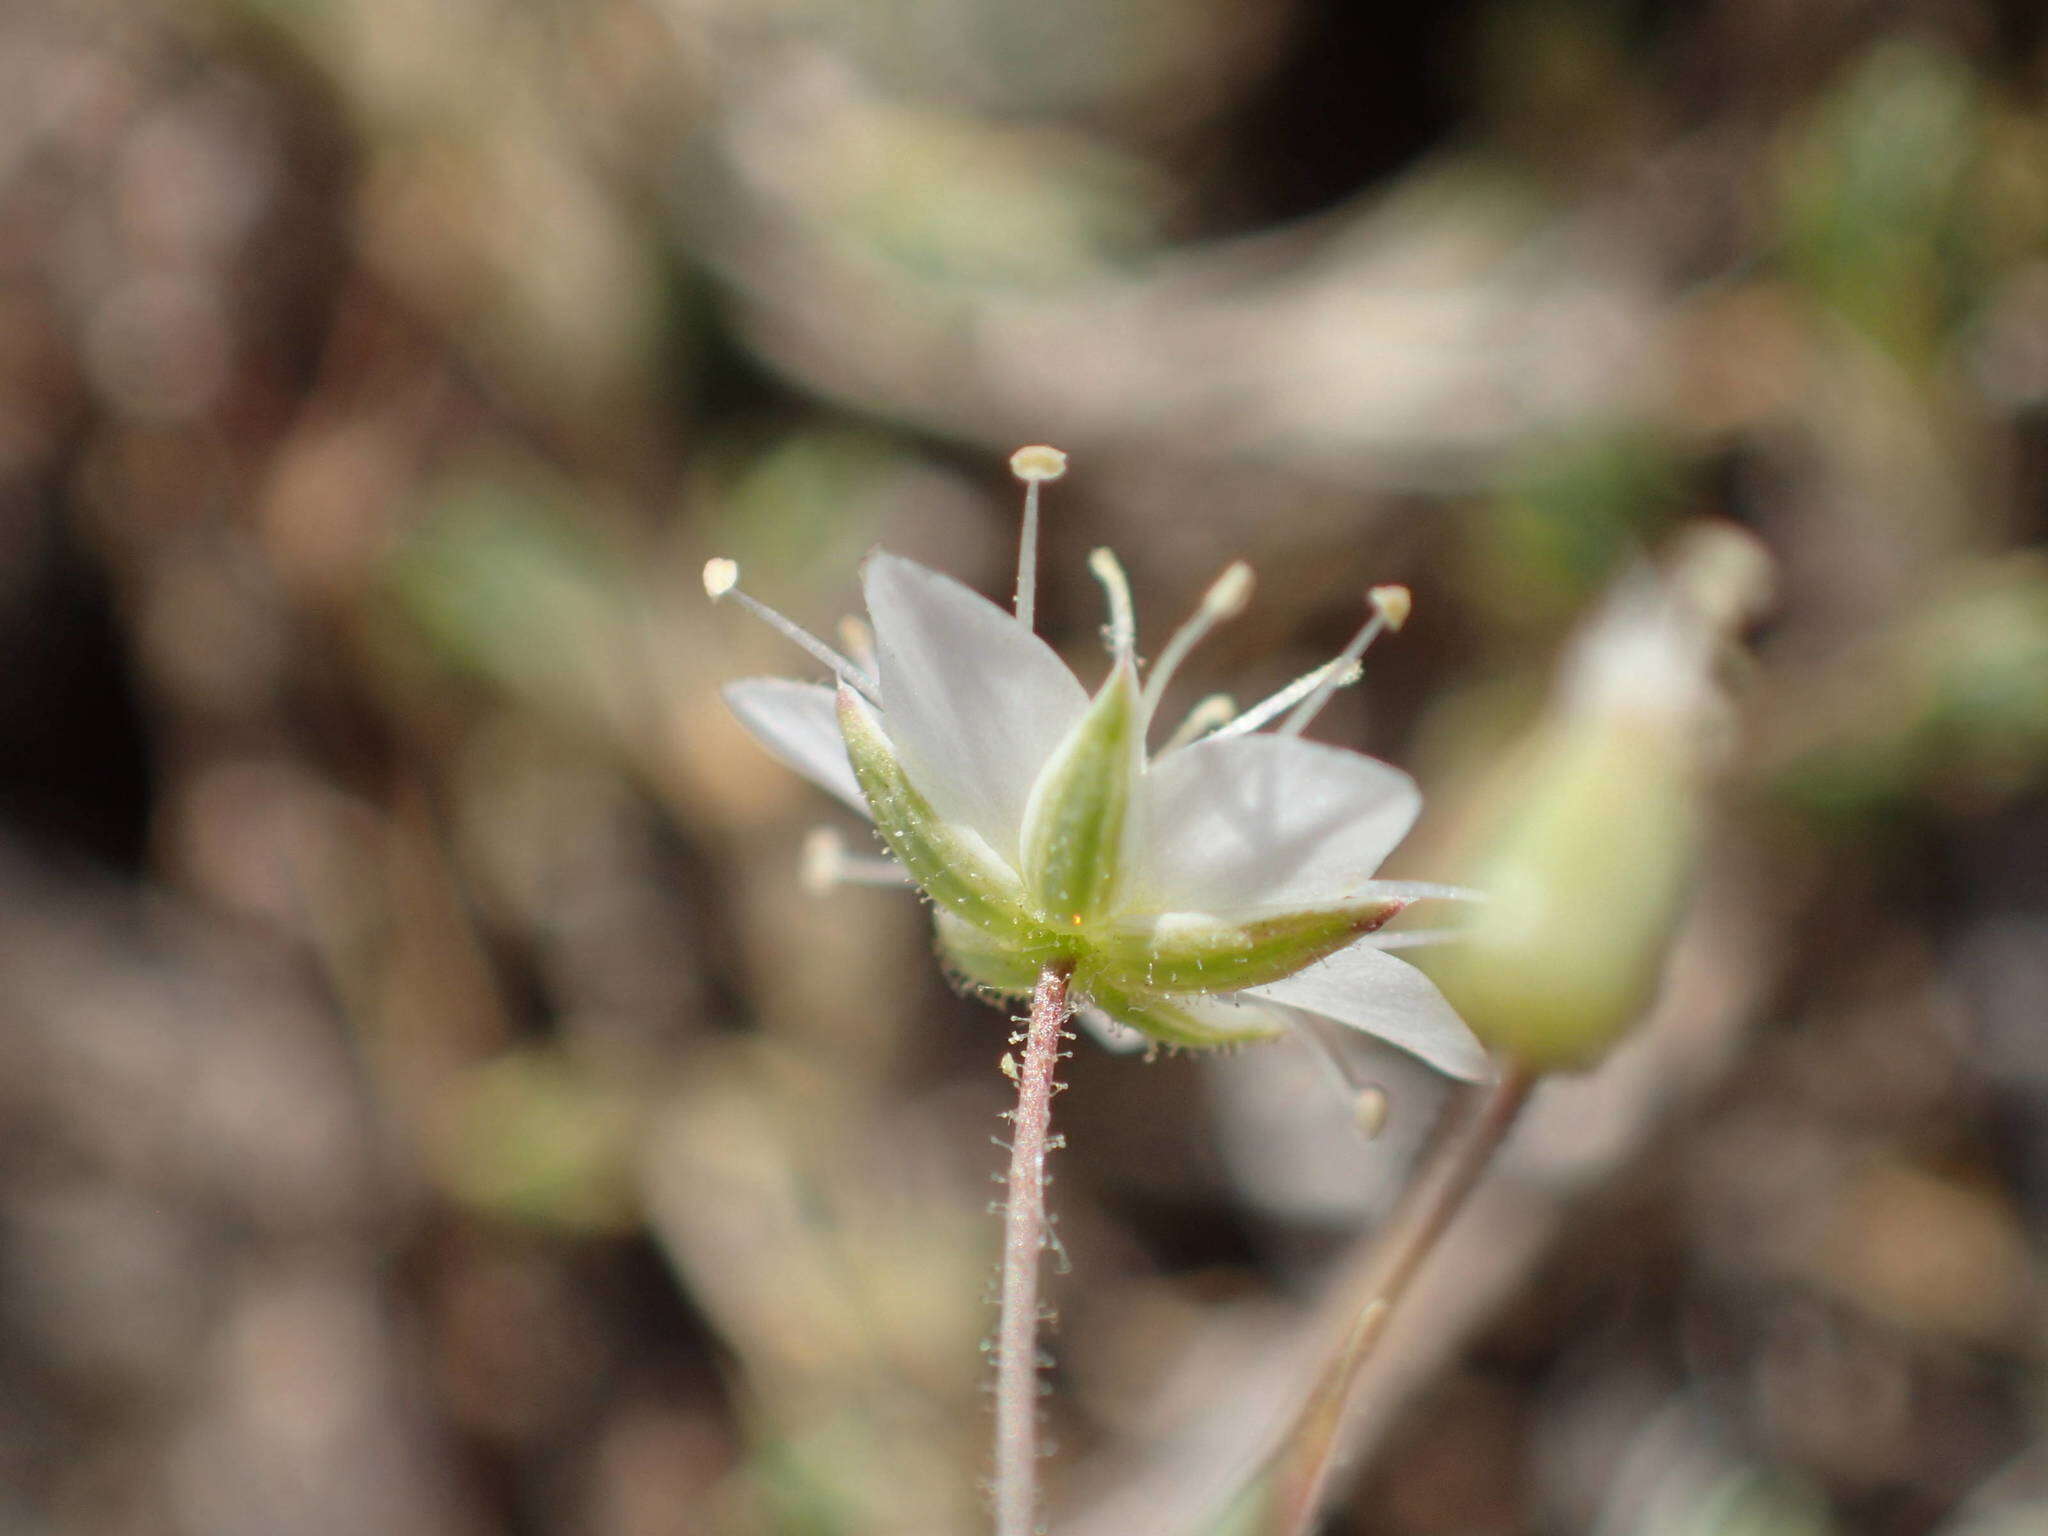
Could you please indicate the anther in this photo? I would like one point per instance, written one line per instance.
(1370, 1108)
(1123, 620)
(1225, 599)
(722, 580)
(1390, 609)
(857, 639)
(1393, 603)
(1034, 466)
(1217, 710)
(1369, 1103)
(1037, 462)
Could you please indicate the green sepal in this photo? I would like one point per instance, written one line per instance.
(1194, 952)
(1194, 1023)
(1008, 966)
(950, 864)
(1074, 823)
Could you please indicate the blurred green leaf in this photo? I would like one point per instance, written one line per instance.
(1874, 196)
(532, 1138)
(1568, 514)
(1951, 705)
(502, 582)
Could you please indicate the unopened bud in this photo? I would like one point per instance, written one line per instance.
(1588, 857)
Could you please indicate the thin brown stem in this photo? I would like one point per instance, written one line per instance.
(1024, 1239)
(1300, 1470)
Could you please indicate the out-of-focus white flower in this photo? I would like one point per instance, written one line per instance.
(1202, 896)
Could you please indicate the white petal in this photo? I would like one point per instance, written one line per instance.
(1264, 821)
(1372, 991)
(975, 702)
(799, 724)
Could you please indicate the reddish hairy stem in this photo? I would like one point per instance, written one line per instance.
(1024, 1238)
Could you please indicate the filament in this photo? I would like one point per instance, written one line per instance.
(1225, 599)
(827, 863)
(1034, 466)
(1390, 607)
(1367, 1100)
(1123, 619)
(722, 580)
(1272, 708)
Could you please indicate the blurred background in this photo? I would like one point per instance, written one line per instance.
(431, 1100)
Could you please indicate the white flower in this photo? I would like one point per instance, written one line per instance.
(1201, 895)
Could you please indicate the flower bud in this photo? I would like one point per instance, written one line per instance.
(1587, 862)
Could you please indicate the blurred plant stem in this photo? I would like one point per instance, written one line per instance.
(1300, 1468)
(1025, 1236)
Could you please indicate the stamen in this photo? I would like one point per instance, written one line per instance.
(1034, 466)
(857, 639)
(1390, 608)
(722, 580)
(1370, 1108)
(1123, 619)
(1269, 709)
(1216, 710)
(1369, 1103)
(826, 863)
(1225, 599)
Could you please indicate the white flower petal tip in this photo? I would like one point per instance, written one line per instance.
(720, 577)
(1038, 462)
(1392, 603)
(975, 703)
(1250, 822)
(1369, 990)
(799, 725)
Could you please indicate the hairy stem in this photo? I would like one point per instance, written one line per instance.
(1024, 1238)
(1300, 1471)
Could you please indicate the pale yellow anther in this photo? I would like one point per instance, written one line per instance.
(1370, 1108)
(1228, 594)
(720, 577)
(1038, 462)
(1217, 710)
(857, 639)
(722, 580)
(824, 861)
(1392, 603)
